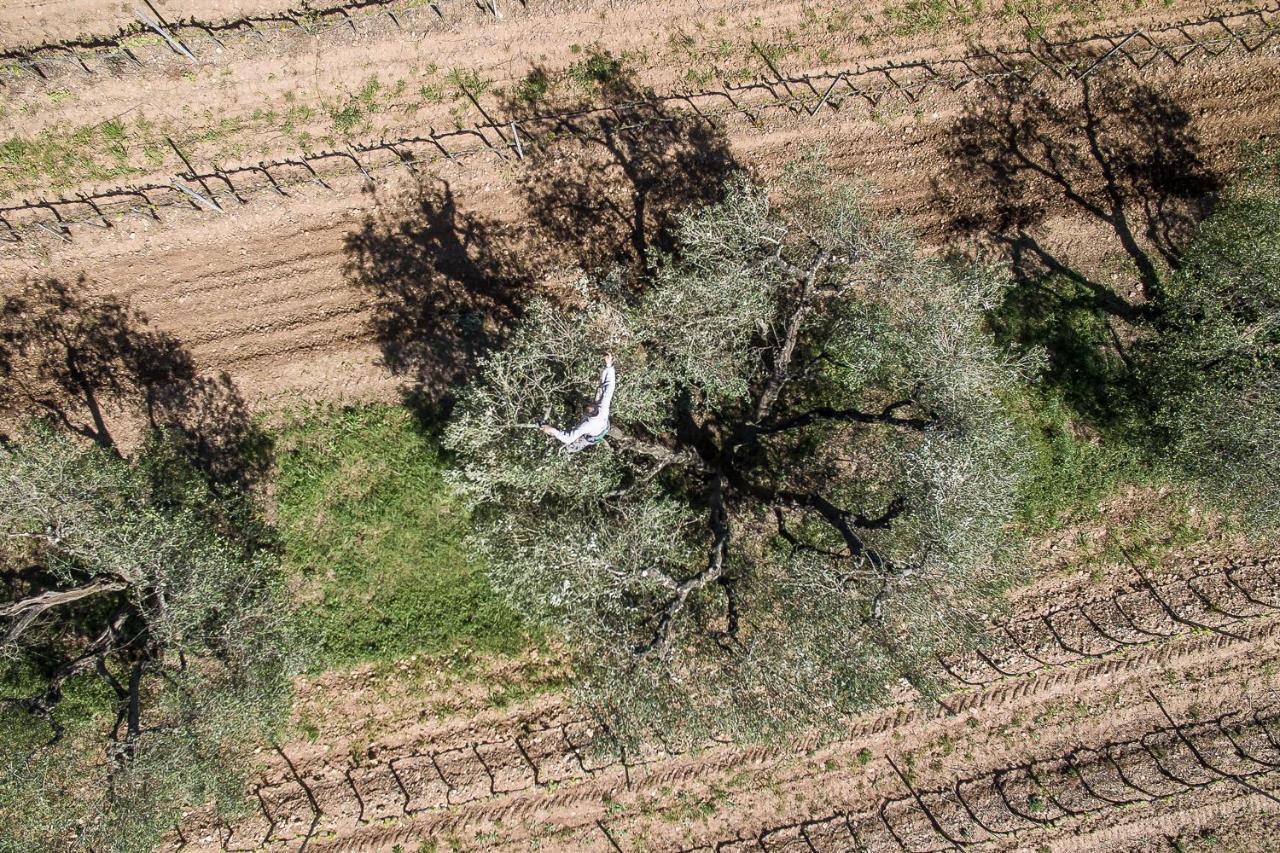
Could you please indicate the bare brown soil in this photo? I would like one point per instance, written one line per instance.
(38, 21)
(254, 99)
(1113, 709)
(1058, 733)
(267, 293)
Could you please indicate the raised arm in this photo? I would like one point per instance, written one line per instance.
(608, 381)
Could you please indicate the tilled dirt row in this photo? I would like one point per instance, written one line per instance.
(290, 260)
(728, 796)
(1210, 601)
(354, 37)
(546, 760)
(36, 21)
(837, 83)
(1244, 824)
(1160, 772)
(270, 105)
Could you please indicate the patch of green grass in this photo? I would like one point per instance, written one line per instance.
(369, 93)
(533, 87)
(1071, 471)
(346, 118)
(1039, 15)
(600, 67)
(914, 17)
(222, 137)
(85, 697)
(466, 81)
(64, 156)
(296, 114)
(689, 808)
(374, 544)
(351, 113)
(698, 78)
(774, 52)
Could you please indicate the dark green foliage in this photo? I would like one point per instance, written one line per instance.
(533, 88)
(1085, 362)
(1214, 367)
(599, 68)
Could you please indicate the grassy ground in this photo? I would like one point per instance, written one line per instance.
(374, 542)
(1072, 469)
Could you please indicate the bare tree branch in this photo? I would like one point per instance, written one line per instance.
(729, 635)
(895, 508)
(798, 544)
(842, 520)
(719, 523)
(782, 363)
(43, 703)
(886, 416)
(664, 455)
(26, 611)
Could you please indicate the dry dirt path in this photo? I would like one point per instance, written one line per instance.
(266, 293)
(1049, 731)
(34, 22)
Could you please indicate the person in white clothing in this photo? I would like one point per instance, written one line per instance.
(595, 426)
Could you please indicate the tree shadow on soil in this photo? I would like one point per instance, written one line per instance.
(596, 190)
(91, 365)
(446, 286)
(608, 192)
(1110, 149)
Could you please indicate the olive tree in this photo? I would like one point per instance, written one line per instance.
(807, 478)
(139, 653)
(1214, 364)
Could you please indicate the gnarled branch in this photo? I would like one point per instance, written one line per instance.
(842, 520)
(885, 416)
(782, 362)
(662, 454)
(43, 703)
(719, 523)
(25, 612)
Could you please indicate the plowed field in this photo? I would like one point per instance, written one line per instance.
(316, 202)
(1124, 709)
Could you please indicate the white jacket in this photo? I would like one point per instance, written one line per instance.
(598, 423)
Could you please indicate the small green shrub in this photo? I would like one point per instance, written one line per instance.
(346, 118)
(598, 68)
(533, 87)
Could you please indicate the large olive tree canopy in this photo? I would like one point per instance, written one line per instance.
(1214, 368)
(808, 474)
(141, 655)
